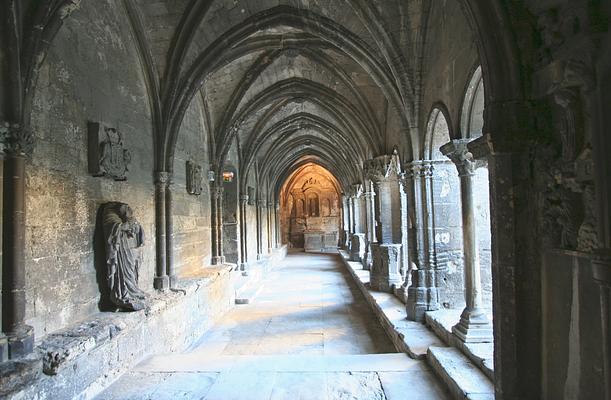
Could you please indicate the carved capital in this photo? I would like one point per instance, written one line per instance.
(261, 203)
(356, 190)
(458, 152)
(15, 140)
(162, 178)
(243, 199)
(383, 168)
(422, 169)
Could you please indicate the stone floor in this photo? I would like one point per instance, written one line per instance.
(308, 335)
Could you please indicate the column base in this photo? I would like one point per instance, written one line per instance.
(173, 280)
(474, 327)
(3, 348)
(218, 260)
(385, 274)
(21, 343)
(161, 282)
(244, 269)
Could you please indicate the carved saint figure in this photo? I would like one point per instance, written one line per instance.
(123, 235)
(114, 158)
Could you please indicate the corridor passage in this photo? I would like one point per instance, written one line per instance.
(309, 334)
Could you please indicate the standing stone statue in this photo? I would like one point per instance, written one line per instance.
(123, 235)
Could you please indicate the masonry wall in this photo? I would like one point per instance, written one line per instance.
(92, 73)
(192, 246)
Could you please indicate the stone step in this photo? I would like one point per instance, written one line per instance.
(462, 377)
(409, 337)
(481, 354)
(197, 361)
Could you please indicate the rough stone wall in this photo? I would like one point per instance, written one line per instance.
(192, 248)
(91, 74)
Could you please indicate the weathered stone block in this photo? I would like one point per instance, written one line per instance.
(357, 247)
(385, 269)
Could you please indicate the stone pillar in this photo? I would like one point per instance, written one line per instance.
(369, 197)
(169, 235)
(357, 239)
(474, 325)
(385, 173)
(602, 275)
(216, 210)
(346, 229)
(270, 227)
(260, 207)
(277, 224)
(161, 280)
(20, 337)
(243, 234)
(423, 293)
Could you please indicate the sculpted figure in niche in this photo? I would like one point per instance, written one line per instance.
(114, 158)
(123, 235)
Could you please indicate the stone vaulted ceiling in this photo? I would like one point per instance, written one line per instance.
(285, 82)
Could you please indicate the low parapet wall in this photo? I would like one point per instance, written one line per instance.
(81, 361)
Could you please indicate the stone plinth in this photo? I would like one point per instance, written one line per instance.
(357, 247)
(385, 269)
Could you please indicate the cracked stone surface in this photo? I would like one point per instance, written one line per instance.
(309, 335)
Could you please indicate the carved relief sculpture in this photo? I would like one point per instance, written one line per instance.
(107, 154)
(123, 235)
(194, 178)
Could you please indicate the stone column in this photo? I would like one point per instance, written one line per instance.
(161, 280)
(243, 234)
(418, 292)
(385, 173)
(17, 144)
(277, 224)
(357, 239)
(270, 227)
(602, 275)
(216, 210)
(369, 196)
(260, 206)
(169, 235)
(346, 228)
(474, 325)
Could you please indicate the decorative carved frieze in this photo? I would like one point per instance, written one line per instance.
(15, 140)
(107, 154)
(195, 176)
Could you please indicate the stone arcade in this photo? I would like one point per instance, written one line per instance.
(368, 199)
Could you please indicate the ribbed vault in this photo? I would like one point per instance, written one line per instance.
(280, 83)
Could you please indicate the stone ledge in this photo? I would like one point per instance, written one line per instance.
(83, 360)
(465, 380)
(407, 336)
(481, 354)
